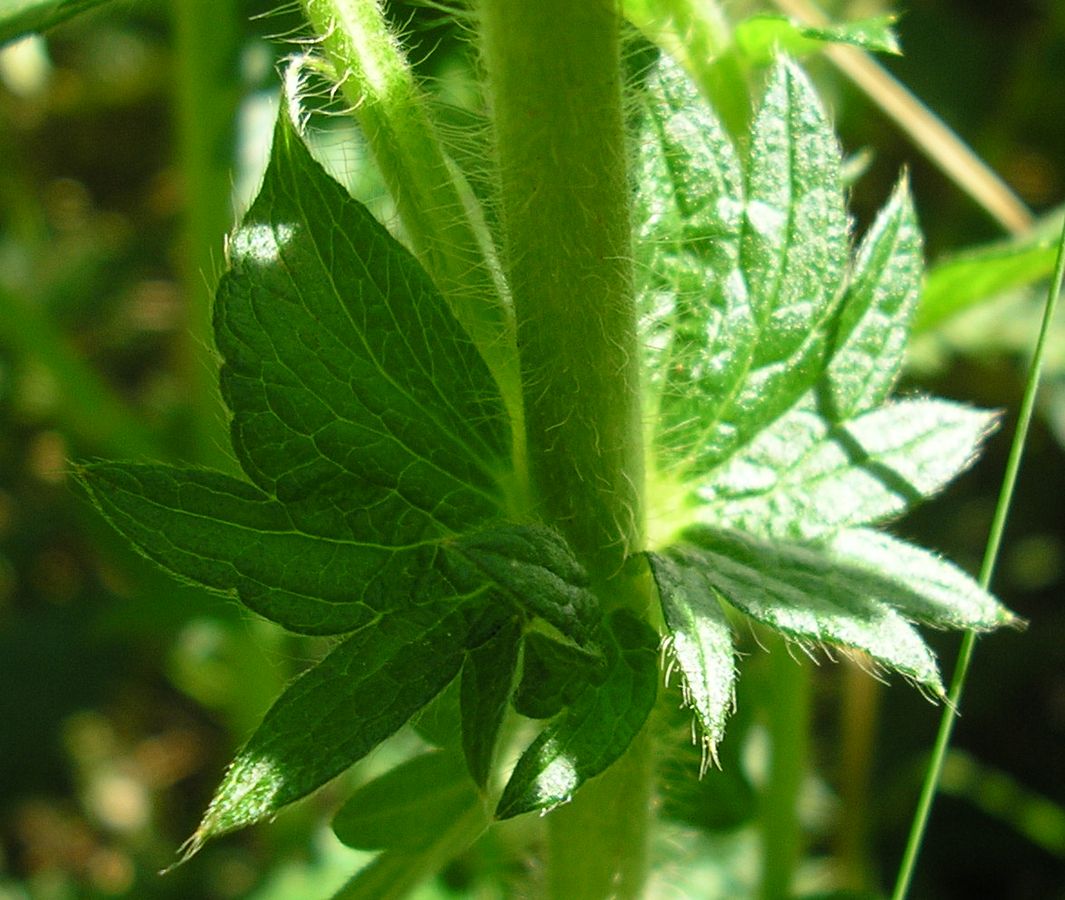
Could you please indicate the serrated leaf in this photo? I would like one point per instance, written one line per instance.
(230, 537)
(803, 478)
(596, 730)
(487, 680)
(700, 638)
(535, 567)
(874, 319)
(409, 806)
(364, 690)
(932, 590)
(553, 675)
(811, 597)
(346, 373)
(19, 17)
(761, 38)
(793, 249)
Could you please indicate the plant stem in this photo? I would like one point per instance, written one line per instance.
(207, 90)
(789, 734)
(440, 215)
(994, 541)
(554, 79)
(555, 89)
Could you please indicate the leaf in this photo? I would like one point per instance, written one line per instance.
(931, 589)
(487, 679)
(596, 730)
(959, 282)
(228, 536)
(793, 249)
(535, 567)
(803, 478)
(347, 375)
(19, 17)
(700, 639)
(408, 806)
(762, 38)
(554, 675)
(874, 319)
(810, 597)
(363, 691)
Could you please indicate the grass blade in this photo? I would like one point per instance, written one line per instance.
(957, 685)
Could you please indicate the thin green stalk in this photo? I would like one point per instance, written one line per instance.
(789, 736)
(554, 80)
(206, 78)
(994, 541)
(440, 216)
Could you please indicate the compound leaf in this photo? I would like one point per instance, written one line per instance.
(363, 691)
(553, 675)
(808, 596)
(347, 375)
(596, 729)
(804, 478)
(874, 319)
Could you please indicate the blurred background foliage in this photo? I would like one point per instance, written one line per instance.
(127, 137)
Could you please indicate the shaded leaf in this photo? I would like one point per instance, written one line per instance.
(700, 638)
(409, 806)
(803, 478)
(347, 374)
(874, 320)
(554, 675)
(363, 691)
(228, 536)
(19, 17)
(487, 679)
(535, 567)
(808, 596)
(596, 730)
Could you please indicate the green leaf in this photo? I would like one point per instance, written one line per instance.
(535, 567)
(408, 806)
(874, 319)
(228, 536)
(19, 17)
(810, 597)
(959, 282)
(487, 679)
(793, 249)
(931, 589)
(339, 710)
(803, 478)
(700, 639)
(347, 374)
(761, 38)
(554, 675)
(596, 730)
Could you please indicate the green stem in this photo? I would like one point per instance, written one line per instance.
(206, 37)
(789, 735)
(555, 88)
(994, 541)
(554, 79)
(440, 216)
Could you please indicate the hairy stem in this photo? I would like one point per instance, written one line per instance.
(439, 213)
(554, 79)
